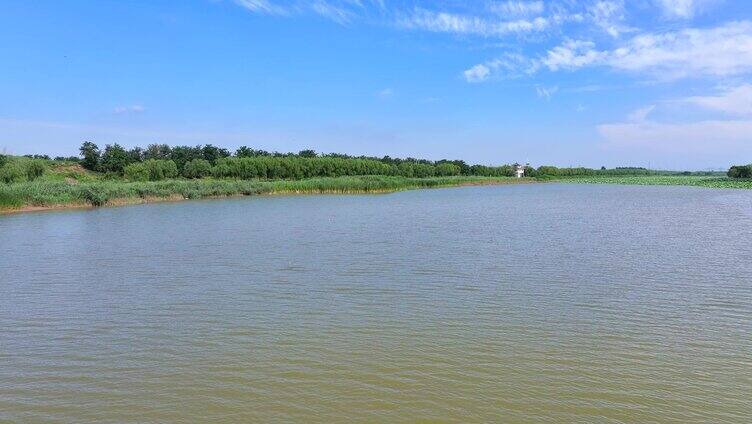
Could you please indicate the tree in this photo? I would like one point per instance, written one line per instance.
(114, 159)
(740, 171)
(308, 153)
(90, 154)
(157, 151)
(212, 153)
(197, 168)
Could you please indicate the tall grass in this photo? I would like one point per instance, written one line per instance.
(100, 193)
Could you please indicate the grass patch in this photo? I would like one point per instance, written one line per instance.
(53, 192)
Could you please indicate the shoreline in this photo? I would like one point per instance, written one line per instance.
(411, 184)
(61, 196)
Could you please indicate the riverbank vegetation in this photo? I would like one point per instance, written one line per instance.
(683, 180)
(115, 175)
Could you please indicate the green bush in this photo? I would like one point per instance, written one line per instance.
(13, 172)
(151, 170)
(447, 169)
(197, 168)
(35, 168)
(136, 172)
(3, 160)
(95, 195)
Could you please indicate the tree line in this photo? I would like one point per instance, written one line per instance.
(161, 161)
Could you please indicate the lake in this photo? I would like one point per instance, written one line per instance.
(517, 303)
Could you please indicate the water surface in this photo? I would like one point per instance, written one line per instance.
(559, 303)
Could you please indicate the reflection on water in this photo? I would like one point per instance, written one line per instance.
(513, 303)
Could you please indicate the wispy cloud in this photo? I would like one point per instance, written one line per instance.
(470, 25)
(517, 8)
(684, 9)
(262, 6)
(736, 101)
(509, 65)
(722, 51)
(703, 136)
(641, 114)
(120, 110)
(609, 15)
(339, 11)
(642, 131)
(385, 93)
(546, 92)
(337, 14)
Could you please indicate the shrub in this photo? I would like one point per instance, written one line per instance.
(95, 195)
(161, 169)
(136, 172)
(197, 168)
(35, 168)
(151, 170)
(447, 169)
(12, 172)
(3, 160)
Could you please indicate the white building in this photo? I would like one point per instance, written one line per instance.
(519, 170)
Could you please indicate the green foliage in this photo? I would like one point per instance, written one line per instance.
(136, 172)
(588, 172)
(698, 181)
(21, 169)
(212, 153)
(151, 170)
(96, 195)
(35, 168)
(99, 193)
(114, 159)
(446, 169)
(197, 168)
(90, 154)
(157, 151)
(3, 160)
(308, 153)
(12, 172)
(295, 167)
(740, 171)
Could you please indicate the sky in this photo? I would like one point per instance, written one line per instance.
(656, 83)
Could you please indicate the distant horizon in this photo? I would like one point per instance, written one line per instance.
(663, 84)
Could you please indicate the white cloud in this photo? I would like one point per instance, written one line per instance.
(683, 9)
(120, 110)
(262, 6)
(339, 11)
(463, 24)
(641, 114)
(572, 54)
(722, 51)
(706, 136)
(510, 65)
(335, 13)
(546, 93)
(385, 93)
(735, 101)
(609, 15)
(518, 8)
(477, 73)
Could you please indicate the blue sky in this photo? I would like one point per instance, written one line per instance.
(660, 83)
